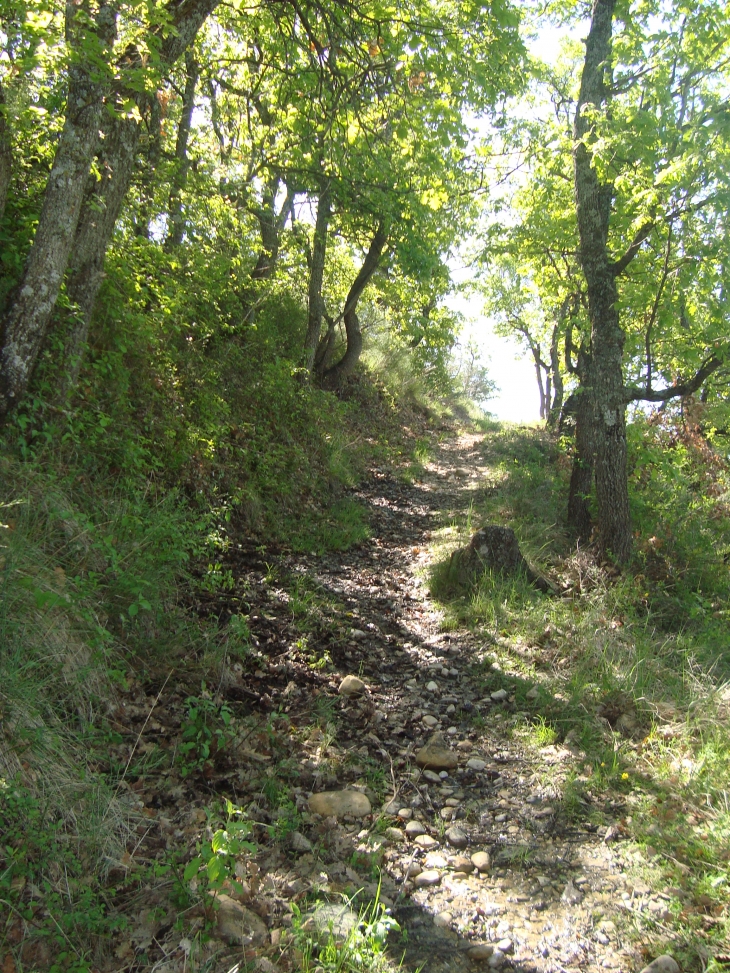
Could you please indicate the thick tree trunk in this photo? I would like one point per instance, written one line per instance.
(30, 311)
(337, 373)
(6, 154)
(316, 275)
(176, 223)
(581, 478)
(605, 402)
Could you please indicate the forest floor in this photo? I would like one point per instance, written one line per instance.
(559, 885)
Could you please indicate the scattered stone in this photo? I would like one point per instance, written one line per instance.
(443, 920)
(335, 919)
(505, 946)
(405, 814)
(430, 721)
(465, 745)
(497, 959)
(431, 876)
(436, 755)
(499, 696)
(457, 838)
(413, 869)
(480, 952)
(571, 895)
(392, 807)
(481, 861)
(461, 864)
(414, 829)
(426, 842)
(431, 776)
(474, 763)
(435, 860)
(238, 925)
(299, 842)
(432, 687)
(395, 834)
(339, 803)
(357, 633)
(352, 686)
(662, 964)
(446, 813)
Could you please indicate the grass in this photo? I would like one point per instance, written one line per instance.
(631, 671)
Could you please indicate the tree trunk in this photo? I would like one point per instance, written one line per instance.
(103, 200)
(176, 224)
(316, 275)
(6, 154)
(35, 297)
(149, 161)
(101, 208)
(605, 404)
(558, 391)
(336, 374)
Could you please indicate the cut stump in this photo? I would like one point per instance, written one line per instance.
(493, 548)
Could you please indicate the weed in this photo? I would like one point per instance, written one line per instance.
(206, 732)
(216, 861)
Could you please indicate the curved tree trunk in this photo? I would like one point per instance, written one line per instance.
(103, 200)
(35, 297)
(581, 477)
(558, 390)
(336, 374)
(605, 405)
(316, 275)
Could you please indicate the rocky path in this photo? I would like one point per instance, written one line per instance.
(485, 862)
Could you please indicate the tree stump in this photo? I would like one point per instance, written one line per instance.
(492, 548)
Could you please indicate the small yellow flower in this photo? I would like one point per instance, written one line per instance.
(603, 763)
(624, 776)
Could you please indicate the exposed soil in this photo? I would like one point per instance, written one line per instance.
(555, 894)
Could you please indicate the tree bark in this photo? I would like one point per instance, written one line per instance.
(6, 154)
(35, 297)
(176, 223)
(316, 275)
(604, 409)
(558, 390)
(334, 376)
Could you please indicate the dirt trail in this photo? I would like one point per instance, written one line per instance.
(554, 896)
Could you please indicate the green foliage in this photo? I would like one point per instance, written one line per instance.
(215, 864)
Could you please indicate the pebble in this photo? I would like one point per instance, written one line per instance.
(497, 959)
(465, 745)
(446, 813)
(457, 838)
(405, 814)
(480, 952)
(499, 695)
(436, 755)
(426, 842)
(432, 687)
(443, 919)
(395, 834)
(352, 686)
(430, 876)
(505, 946)
(299, 842)
(431, 776)
(430, 720)
(461, 864)
(474, 763)
(481, 861)
(414, 829)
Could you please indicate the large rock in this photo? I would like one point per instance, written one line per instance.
(492, 548)
(238, 925)
(352, 686)
(436, 755)
(339, 804)
(332, 919)
(662, 964)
